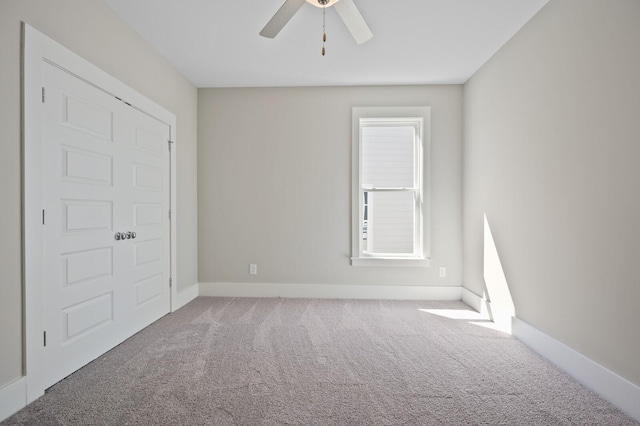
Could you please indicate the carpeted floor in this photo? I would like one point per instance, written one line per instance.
(221, 361)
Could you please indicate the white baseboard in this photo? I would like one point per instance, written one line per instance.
(13, 397)
(330, 291)
(474, 301)
(183, 297)
(617, 390)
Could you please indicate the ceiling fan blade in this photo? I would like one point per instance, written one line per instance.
(280, 19)
(354, 21)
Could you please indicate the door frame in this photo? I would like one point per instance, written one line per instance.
(36, 50)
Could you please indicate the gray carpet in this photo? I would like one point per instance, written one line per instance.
(221, 361)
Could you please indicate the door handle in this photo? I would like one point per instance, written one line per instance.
(125, 235)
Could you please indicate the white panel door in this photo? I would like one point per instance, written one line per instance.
(105, 171)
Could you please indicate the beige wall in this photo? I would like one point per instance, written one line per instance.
(274, 174)
(91, 29)
(551, 156)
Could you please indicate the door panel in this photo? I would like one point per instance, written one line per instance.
(104, 171)
(88, 265)
(149, 254)
(86, 167)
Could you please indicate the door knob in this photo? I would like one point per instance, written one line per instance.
(124, 235)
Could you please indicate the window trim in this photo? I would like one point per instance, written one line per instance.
(413, 116)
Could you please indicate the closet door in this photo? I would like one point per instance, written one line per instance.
(106, 230)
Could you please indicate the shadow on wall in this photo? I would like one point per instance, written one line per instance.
(501, 307)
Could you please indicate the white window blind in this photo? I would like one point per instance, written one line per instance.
(388, 162)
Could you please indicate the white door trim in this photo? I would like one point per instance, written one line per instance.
(38, 48)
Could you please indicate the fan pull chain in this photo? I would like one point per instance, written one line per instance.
(324, 32)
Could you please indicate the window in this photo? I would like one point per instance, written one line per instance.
(390, 200)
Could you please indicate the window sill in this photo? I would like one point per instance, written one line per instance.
(391, 261)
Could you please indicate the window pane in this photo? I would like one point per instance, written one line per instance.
(388, 157)
(390, 223)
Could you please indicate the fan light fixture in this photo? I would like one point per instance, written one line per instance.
(322, 3)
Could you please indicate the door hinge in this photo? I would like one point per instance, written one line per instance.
(45, 338)
(169, 214)
(170, 142)
(170, 282)
(42, 94)
(43, 217)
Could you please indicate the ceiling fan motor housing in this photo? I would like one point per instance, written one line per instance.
(322, 3)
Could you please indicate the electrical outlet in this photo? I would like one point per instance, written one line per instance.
(253, 269)
(443, 272)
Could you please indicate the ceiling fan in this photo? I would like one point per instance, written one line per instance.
(347, 10)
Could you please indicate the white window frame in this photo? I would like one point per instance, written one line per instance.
(420, 119)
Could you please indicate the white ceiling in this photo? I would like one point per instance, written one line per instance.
(215, 43)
